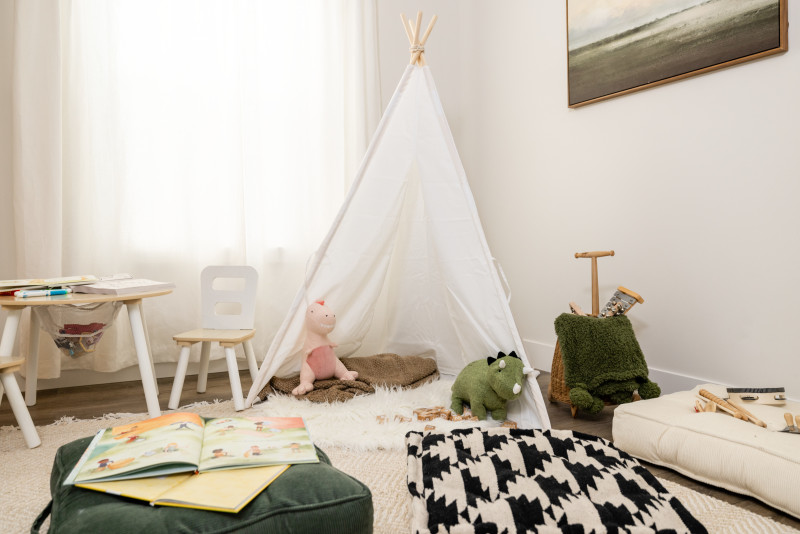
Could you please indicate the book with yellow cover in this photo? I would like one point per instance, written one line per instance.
(219, 491)
(184, 442)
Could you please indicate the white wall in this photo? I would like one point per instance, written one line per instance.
(694, 184)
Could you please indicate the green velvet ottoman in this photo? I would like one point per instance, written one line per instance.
(307, 498)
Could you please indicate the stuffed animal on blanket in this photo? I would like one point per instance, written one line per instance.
(487, 385)
(319, 360)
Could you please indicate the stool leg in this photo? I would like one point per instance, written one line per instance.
(233, 374)
(180, 375)
(202, 374)
(9, 335)
(251, 359)
(20, 410)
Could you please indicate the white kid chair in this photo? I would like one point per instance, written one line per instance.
(227, 329)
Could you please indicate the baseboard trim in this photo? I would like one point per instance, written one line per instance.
(670, 382)
(541, 357)
(85, 377)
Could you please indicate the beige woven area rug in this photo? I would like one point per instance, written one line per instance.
(350, 433)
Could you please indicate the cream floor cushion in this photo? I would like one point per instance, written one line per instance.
(714, 447)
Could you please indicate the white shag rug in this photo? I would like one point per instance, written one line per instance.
(356, 424)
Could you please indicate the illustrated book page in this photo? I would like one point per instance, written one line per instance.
(234, 442)
(159, 446)
(183, 442)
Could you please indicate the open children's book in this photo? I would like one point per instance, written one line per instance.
(183, 459)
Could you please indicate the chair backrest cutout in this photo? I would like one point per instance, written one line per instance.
(228, 294)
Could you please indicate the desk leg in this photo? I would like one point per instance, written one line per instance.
(147, 338)
(32, 361)
(145, 363)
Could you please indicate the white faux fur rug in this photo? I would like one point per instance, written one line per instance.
(356, 425)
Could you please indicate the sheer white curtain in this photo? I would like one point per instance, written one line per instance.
(163, 136)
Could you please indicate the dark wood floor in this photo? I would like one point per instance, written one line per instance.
(94, 401)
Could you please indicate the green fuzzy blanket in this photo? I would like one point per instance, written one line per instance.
(602, 360)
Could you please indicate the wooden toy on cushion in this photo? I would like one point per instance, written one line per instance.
(319, 359)
(487, 385)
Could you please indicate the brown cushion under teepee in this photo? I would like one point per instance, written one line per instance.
(388, 370)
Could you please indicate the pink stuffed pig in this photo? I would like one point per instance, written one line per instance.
(319, 360)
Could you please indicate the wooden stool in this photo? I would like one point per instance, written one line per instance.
(8, 365)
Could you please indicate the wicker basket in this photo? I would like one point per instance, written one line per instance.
(558, 391)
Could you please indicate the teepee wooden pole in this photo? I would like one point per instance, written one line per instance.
(407, 29)
(412, 30)
(417, 26)
(421, 53)
(430, 28)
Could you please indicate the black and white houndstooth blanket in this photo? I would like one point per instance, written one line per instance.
(501, 480)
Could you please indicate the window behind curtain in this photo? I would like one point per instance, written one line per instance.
(198, 132)
(201, 125)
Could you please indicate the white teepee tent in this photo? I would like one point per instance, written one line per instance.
(405, 265)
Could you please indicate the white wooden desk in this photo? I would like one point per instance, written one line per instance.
(14, 306)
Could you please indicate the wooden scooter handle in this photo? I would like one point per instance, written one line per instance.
(595, 254)
(595, 293)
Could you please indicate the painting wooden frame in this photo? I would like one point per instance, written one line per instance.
(616, 47)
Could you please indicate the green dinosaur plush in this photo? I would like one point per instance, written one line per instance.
(487, 385)
(602, 361)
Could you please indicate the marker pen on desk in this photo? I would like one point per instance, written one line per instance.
(42, 292)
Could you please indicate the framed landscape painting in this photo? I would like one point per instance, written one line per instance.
(617, 47)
